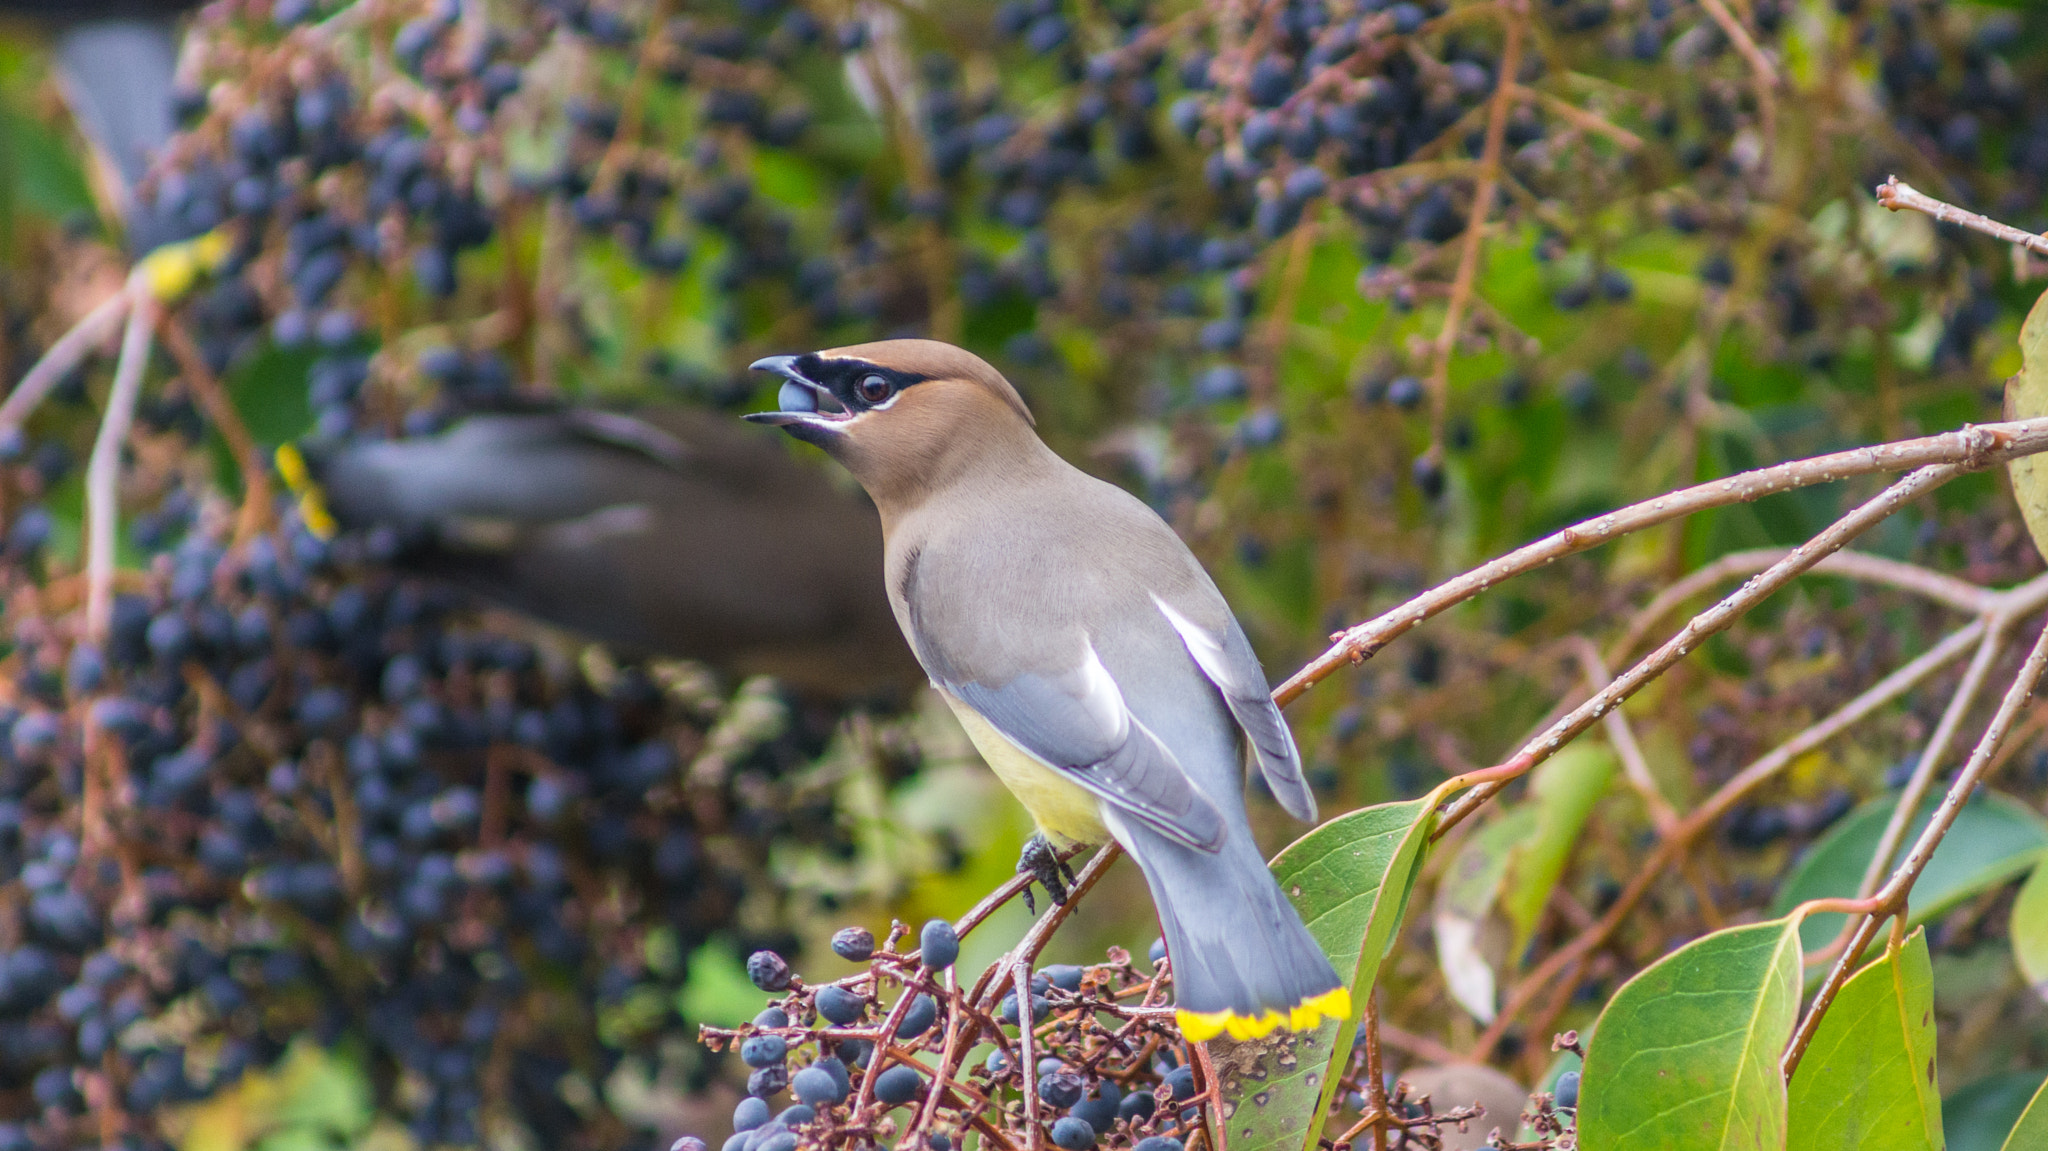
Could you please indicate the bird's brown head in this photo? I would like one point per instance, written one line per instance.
(904, 416)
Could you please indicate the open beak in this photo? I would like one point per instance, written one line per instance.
(800, 401)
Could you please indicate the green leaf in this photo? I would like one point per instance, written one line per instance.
(1994, 839)
(1978, 1117)
(2030, 931)
(2026, 396)
(716, 989)
(1464, 901)
(1350, 879)
(1867, 1079)
(1563, 790)
(2032, 1129)
(323, 1092)
(269, 393)
(1686, 1054)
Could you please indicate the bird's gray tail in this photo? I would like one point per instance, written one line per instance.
(117, 77)
(1243, 963)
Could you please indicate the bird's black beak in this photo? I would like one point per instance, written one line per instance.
(800, 402)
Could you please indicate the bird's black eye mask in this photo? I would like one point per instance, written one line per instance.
(818, 392)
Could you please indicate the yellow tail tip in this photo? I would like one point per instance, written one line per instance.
(1307, 1015)
(291, 467)
(172, 270)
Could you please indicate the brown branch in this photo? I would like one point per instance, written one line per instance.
(1516, 15)
(103, 469)
(1891, 900)
(1969, 448)
(1931, 756)
(67, 353)
(1027, 1063)
(1634, 765)
(1777, 759)
(1763, 72)
(634, 107)
(1955, 593)
(1711, 622)
(1581, 118)
(1375, 1079)
(256, 511)
(1898, 195)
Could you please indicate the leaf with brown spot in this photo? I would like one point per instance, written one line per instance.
(1350, 879)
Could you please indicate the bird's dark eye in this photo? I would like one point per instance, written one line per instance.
(874, 389)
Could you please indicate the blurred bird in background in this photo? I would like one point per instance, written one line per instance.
(116, 63)
(668, 532)
(1090, 658)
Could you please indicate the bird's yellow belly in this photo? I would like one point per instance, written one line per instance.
(1065, 811)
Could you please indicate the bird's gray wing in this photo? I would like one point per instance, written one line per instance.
(117, 77)
(630, 433)
(1077, 723)
(1229, 662)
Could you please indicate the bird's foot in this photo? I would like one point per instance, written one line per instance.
(1043, 864)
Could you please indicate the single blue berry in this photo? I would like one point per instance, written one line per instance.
(1061, 1091)
(751, 1113)
(940, 947)
(919, 1018)
(839, 1005)
(816, 1087)
(768, 971)
(763, 1050)
(854, 944)
(898, 1085)
(1071, 1134)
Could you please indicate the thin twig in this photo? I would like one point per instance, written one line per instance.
(1958, 594)
(1027, 1062)
(103, 471)
(1581, 118)
(1898, 195)
(1701, 818)
(64, 355)
(634, 108)
(1375, 1080)
(1515, 12)
(1931, 756)
(1708, 623)
(1634, 765)
(1891, 900)
(1763, 72)
(256, 513)
(1970, 448)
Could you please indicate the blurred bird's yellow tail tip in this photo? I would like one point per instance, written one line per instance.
(291, 467)
(1307, 1015)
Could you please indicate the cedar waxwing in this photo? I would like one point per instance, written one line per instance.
(672, 532)
(115, 61)
(1090, 658)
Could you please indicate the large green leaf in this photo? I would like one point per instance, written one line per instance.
(1994, 839)
(2026, 397)
(1563, 789)
(2031, 1132)
(1686, 1054)
(1350, 880)
(1979, 1115)
(1867, 1079)
(1464, 906)
(2030, 931)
